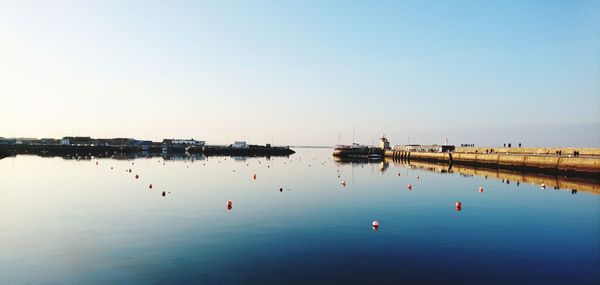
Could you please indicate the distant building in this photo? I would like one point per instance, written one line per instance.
(425, 148)
(240, 144)
(48, 141)
(384, 143)
(8, 141)
(183, 142)
(121, 141)
(76, 141)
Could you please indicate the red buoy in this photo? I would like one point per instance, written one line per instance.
(480, 189)
(254, 177)
(344, 183)
(458, 208)
(409, 187)
(458, 204)
(229, 204)
(375, 225)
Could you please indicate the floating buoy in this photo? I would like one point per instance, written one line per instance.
(480, 189)
(398, 173)
(254, 176)
(409, 187)
(458, 208)
(344, 183)
(418, 177)
(164, 193)
(150, 186)
(96, 163)
(458, 204)
(375, 225)
(229, 204)
(111, 168)
(132, 163)
(137, 176)
(280, 189)
(543, 185)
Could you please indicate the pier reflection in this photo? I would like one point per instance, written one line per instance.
(572, 184)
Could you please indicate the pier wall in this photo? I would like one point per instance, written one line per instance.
(531, 150)
(584, 165)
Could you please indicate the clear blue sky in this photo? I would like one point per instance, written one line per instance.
(302, 72)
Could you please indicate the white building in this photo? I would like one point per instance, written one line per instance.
(384, 143)
(183, 142)
(240, 144)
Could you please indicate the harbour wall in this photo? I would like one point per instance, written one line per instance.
(530, 150)
(553, 164)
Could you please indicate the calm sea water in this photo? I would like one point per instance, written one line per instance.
(74, 222)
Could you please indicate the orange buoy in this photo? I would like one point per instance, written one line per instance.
(150, 186)
(375, 225)
(229, 204)
(409, 187)
(480, 189)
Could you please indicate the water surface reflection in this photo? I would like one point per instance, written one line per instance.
(291, 221)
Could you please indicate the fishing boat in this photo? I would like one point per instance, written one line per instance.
(357, 150)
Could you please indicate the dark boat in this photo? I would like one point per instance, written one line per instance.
(4, 154)
(356, 150)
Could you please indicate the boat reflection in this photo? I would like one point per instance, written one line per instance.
(379, 161)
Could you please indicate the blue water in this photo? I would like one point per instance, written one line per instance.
(65, 221)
